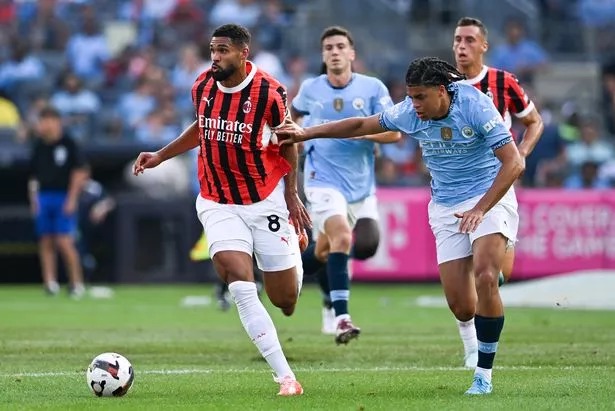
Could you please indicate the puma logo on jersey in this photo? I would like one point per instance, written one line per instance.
(207, 100)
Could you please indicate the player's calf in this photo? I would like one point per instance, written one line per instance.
(282, 289)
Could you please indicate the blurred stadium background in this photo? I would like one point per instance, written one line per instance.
(120, 72)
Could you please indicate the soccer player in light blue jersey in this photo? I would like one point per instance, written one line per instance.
(339, 178)
(473, 162)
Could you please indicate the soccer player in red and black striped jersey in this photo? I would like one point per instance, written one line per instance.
(248, 188)
(470, 45)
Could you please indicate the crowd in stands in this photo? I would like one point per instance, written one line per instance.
(123, 70)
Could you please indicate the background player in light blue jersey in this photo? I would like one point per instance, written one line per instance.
(339, 178)
(473, 163)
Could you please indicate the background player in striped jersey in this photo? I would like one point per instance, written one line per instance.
(470, 45)
(248, 188)
(339, 177)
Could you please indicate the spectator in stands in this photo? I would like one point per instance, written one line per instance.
(551, 147)
(598, 18)
(570, 125)
(271, 25)
(607, 172)
(243, 12)
(608, 81)
(590, 147)
(134, 106)
(10, 121)
(386, 173)
(186, 21)
(156, 129)
(404, 155)
(189, 66)
(77, 105)
(297, 69)
(22, 71)
(39, 22)
(586, 178)
(147, 15)
(268, 61)
(519, 55)
(87, 52)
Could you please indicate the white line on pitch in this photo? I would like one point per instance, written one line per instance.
(310, 370)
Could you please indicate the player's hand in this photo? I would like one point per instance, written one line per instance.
(70, 206)
(298, 213)
(290, 132)
(470, 220)
(146, 160)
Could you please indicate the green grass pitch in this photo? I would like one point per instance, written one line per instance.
(197, 358)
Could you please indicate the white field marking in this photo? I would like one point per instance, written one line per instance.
(312, 370)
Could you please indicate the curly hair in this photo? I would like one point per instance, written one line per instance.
(431, 71)
(239, 35)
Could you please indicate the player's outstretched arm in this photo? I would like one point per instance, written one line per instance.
(383, 138)
(187, 140)
(290, 132)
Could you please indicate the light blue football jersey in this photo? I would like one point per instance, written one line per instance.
(346, 165)
(459, 149)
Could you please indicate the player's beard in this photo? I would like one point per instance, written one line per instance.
(222, 74)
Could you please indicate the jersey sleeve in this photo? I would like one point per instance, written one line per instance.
(487, 121)
(397, 118)
(77, 157)
(383, 99)
(279, 107)
(520, 103)
(300, 102)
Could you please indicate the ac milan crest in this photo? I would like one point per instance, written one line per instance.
(247, 106)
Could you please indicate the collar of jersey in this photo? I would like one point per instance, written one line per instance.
(474, 80)
(352, 76)
(243, 84)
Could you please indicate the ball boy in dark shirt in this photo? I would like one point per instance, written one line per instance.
(57, 174)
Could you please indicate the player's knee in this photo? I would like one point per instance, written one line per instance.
(322, 255)
(65, 244)
(341, 241)
(285, 301)
(486, 277)
(463, 309)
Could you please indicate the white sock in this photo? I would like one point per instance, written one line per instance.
(484, 372)
(341, 317)
(259, 326)
(467, 331)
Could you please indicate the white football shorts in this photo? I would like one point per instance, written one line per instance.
(325, 202)
(452, 245)
(261, 229)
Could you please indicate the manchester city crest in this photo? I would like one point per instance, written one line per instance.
(467, 132)
(338, 104)
(446, 133)
(358, 103)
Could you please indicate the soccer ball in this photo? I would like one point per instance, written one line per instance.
(110, 375)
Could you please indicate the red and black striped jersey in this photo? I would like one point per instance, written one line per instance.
(506, 92)
(238, 163)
